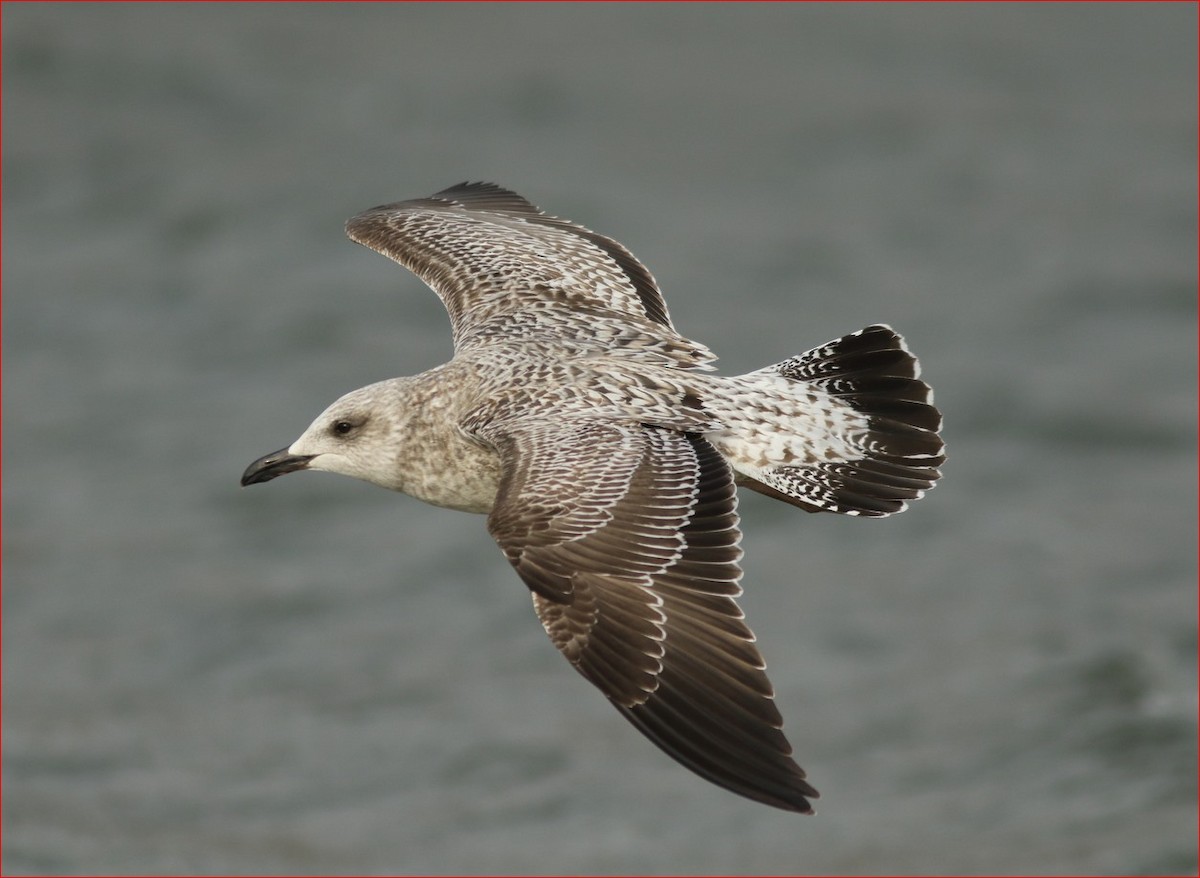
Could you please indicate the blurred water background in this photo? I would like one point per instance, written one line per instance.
(322, 677)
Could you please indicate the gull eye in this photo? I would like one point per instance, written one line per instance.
(342, 428)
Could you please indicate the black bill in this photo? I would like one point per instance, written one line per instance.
(277, 463)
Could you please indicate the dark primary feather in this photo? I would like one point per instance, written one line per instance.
(632, 554)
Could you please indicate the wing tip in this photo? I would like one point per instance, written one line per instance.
(367, 226)
(479, 194)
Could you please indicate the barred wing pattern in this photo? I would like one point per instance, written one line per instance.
(628, 537)
(489, 255)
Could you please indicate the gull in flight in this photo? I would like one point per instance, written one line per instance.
(606, 452)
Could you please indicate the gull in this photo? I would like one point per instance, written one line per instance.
(606, 455)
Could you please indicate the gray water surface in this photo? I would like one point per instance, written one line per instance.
(317, 676)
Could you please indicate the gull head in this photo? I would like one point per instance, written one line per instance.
(351, 438)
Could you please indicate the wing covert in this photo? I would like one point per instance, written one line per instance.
(487, 252)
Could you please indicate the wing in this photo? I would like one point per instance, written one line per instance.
(489, 254)
(628, 538)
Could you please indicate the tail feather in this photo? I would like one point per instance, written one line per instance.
(866, 431)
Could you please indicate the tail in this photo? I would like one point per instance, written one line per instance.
(848, 427)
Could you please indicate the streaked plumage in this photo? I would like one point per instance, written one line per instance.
(605, 453)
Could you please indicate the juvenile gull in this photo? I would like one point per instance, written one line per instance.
(605, 454)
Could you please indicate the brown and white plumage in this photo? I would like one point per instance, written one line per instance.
(499, 264)
(606, 455)
(635, 583)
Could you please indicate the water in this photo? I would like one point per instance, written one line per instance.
(321, 677)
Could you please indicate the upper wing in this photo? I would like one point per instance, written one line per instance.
(628, 537)
(488, 252)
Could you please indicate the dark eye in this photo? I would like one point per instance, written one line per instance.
(342, 427)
